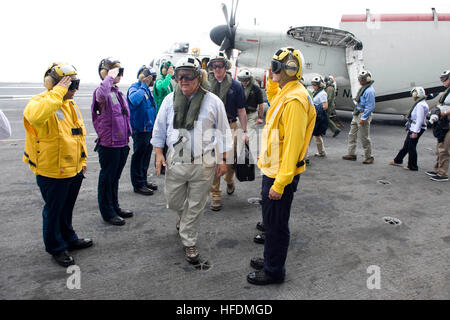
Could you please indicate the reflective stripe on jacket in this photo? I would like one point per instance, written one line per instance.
(55, 143)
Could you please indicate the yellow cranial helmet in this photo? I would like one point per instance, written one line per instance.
(56, 72)
(294, 64)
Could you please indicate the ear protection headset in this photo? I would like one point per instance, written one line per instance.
(365, 75)
(418, 92)
(106, 65)
(293, 66)
(56, 72)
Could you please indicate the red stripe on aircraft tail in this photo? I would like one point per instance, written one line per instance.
(395, 17)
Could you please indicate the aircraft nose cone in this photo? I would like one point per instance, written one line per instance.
(218, 33)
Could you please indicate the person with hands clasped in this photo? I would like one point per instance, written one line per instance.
(285, 138)
(143, 114)
(111, 120)
(55, 150)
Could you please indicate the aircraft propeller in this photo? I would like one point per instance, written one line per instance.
(224, 35)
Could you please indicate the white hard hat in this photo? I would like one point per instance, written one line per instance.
(317, 80)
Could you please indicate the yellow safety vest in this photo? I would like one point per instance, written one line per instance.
(55, 144)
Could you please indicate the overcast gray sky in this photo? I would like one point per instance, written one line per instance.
(36, 33)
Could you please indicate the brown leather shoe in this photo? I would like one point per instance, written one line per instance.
(351, 157)
(191, 254)
(368, 160)
(216, 205)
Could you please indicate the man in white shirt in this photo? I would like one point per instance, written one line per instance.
(194, 125)
(5, 127)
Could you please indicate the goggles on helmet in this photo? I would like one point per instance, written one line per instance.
(278, 65)
(244, 79)
(74, 85)
(444, 77)
(218, 64)
(186, 74)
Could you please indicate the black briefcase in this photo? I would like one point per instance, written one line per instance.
(244, 166)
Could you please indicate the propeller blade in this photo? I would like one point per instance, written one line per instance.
(231, 23)
(225, 12)
(233, 14)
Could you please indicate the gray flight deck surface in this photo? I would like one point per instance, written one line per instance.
(337, 228)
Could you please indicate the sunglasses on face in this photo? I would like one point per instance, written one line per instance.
(188, 76)
(74, 85)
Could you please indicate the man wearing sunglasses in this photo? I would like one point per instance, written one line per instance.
(55, 150)
(232, 95)
(192, 122)
(284, 142)
(111, 120)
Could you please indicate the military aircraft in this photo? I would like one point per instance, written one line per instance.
(400, 50)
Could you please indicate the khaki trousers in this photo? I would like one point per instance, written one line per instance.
(364, 135)
(216, 192)
(442, 160)
(186, 190)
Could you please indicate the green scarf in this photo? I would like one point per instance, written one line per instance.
(249, 88)
(444, 96)
(185, 111)
(220, 89)
(412, 108)
(362, 90)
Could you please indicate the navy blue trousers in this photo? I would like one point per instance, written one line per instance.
(276, 215)
(112, 162)
(140, 160)
(59, 196)
(409, 147)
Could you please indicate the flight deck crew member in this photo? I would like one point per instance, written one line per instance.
(330, 88)
(362, 117)
(163, 86)
(192, 122)
(320, 100)
(111, 120)
(232, 95)
(55, 150)
(415, 126)
(142, 117)
(254, 106)
(441, 132)
(5, 127)
(285, 139)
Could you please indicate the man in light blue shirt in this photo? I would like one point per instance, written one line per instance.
(362, 117)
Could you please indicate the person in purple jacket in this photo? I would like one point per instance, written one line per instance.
(111, 120)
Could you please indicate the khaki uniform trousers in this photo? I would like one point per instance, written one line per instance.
(364, 135)
(216, 192)
(442, 160)
(186, 190)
